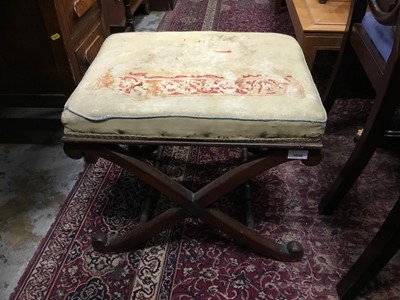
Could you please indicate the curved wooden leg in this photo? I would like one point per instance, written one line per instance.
(193, 204)
(356, 163)
(382, 248)
(293, 251)
(140, 234)
(378, 121)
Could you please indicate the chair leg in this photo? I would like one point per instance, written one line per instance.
(378, 121)
(384, 245)
(248, 199)
(278, 6)
(340, 76)
(359, 158)
(129, 22)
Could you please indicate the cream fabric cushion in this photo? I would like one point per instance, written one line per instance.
(197, 85)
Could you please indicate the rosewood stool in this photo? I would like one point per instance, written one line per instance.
(248, 90)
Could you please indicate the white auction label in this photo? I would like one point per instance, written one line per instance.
(297, 154)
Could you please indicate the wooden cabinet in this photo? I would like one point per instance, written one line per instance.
(114, 12)
(318, 26)
(47, 45)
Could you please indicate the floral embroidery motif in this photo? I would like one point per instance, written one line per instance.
(104, 81)
(142, 84)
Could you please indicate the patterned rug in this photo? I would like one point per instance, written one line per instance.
(240, 16)
(194, 261)
(226, 15)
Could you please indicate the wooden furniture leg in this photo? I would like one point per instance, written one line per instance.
(129, 10)
(359, 53)
(359, 158)
(190, 203)
(278, 5)
(382, 248)
(356, 163)
(378, 121)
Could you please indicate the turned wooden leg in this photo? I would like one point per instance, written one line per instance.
(129, 22)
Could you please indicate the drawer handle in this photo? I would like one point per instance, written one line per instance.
(82, 6)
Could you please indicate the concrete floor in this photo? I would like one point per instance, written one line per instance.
(35, 179)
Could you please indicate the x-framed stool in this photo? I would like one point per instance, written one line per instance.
(248, 90)
(195, 204)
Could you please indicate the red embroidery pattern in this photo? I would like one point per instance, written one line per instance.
(184, 85)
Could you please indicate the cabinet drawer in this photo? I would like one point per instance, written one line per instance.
(79, 13)
(87, 51)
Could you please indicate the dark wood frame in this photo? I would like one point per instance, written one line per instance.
(381, 249)
(195, 204)
(359, 53)
(129, 11)
(41, 64)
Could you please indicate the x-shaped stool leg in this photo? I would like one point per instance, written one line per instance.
(190, 203)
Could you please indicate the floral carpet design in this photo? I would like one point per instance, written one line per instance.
(226, 15)
(194, 261)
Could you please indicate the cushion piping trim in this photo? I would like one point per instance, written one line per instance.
(109, 117)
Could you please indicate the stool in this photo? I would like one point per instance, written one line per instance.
(249, 90)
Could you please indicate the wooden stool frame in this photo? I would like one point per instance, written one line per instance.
(192, 204)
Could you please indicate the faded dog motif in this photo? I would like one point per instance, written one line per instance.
(146, 85)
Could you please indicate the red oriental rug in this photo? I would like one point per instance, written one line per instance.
(226, 15)
(194, 261)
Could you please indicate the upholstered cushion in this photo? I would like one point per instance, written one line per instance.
(382, 36)
(197, 85)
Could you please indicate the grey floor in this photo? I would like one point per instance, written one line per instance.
(35, 179)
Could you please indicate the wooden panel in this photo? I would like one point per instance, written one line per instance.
(313, 16)
(318, 26)
(89, 48)
(333, 12)
(92, 50)
(78, 23)
(82, 6)
(27, 64)
(39, 66)
(114, 12)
